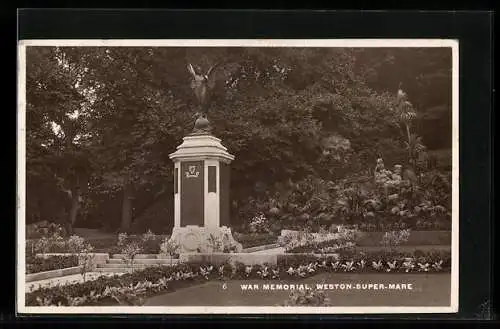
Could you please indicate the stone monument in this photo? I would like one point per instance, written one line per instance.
(201, 185)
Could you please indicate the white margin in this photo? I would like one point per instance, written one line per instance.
(21, 309)
(21, 178)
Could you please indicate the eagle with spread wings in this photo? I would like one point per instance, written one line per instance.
(202, 84)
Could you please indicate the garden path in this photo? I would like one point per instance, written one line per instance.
(428, 290)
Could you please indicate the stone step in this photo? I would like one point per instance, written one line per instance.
(142, 261)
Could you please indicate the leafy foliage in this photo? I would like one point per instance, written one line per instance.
(102, 121)
(39, 264)
(307, 298)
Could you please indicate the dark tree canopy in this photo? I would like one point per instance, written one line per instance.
(285, 113)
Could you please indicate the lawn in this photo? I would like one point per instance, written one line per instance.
(428, 290)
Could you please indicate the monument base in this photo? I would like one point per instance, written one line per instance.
(195, 239)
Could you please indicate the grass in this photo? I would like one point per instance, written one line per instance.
(428, 290)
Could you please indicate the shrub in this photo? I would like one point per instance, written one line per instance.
(107, 245)
(150, 243)
(129, 248)
(395, 238)
(76, 244)
(44, 229)
(307, 297)
(171, 248)
(259, 224)
(315, 242)
(86, 260)
(39, 264)
(255, 239)
(56, 244)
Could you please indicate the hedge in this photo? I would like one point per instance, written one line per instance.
(38, 264)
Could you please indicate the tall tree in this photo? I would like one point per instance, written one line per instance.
(55, 156)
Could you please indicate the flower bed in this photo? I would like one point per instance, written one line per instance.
(393, 222)
(379, 261)
(382, 221)
(255, 239)
(330, 246)
(131, 288)
(38, 264)
(303, 241)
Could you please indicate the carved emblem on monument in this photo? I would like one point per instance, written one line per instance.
(192, 172)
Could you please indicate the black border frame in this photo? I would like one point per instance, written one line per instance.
(474, 32)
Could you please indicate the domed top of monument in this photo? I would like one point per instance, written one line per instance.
(198, 146)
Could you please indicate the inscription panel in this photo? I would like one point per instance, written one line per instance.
(192, 193)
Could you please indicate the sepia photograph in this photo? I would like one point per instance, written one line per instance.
(237, 176)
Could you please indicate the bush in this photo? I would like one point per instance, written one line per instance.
(44, 229)
(55, 244)
(170, 248)
(39, 264)
(259, 224)
(344, 238)
(305, 297)
(255, 239)
(108, 245)
(395, 238)
(128, 248)
(150, 243)
(379, 199)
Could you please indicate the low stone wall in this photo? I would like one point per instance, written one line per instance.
(52, 274)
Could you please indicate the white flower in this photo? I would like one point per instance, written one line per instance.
(424, 267)
(437, 265)
(362, 264)
(392, 266)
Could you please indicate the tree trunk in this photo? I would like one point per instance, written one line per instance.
(75, 206)
(126, 208)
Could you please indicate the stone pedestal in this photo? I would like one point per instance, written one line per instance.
(196, 239)
(201, 193)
